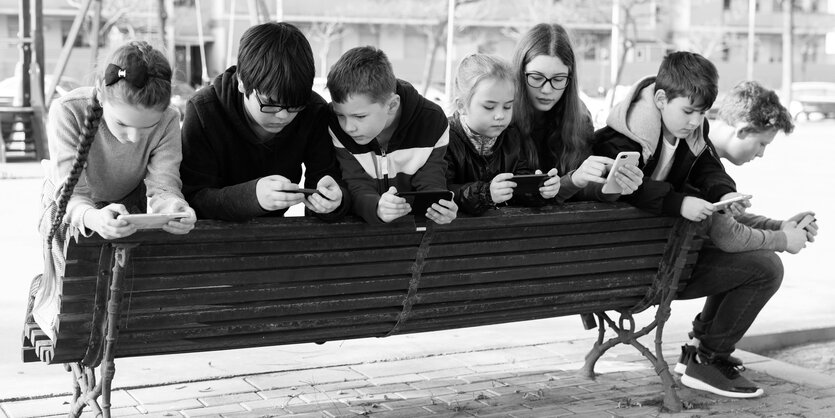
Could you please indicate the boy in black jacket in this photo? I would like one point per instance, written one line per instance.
(663, 119)
(246, 136)
(388, 138)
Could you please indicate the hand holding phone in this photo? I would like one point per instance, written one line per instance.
(422, 200)
(151, 220)
(623, 158)
(725, 203)
(528, 183)
(805, 221)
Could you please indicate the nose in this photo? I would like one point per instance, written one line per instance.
(546, 88)
(282, 114)
(349, 127)
(499, 115)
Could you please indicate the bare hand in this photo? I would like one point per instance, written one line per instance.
(795, 237)
(182, 225)
(390, 206)
(736, 208)
(330, 198)
(591, 171)
(629, 177)
(501, 188)
(105, 223)
(270, 191)
(442, 212)
(696, 209)
(811, 229)
(551, 186)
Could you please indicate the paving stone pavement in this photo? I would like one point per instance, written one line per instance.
(531, 381)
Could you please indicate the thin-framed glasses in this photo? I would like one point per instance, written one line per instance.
(537, 80)
(275, 108)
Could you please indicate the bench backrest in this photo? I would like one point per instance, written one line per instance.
(292, 280)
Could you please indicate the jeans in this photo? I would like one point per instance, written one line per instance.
(737, 286)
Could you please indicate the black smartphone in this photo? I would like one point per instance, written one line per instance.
(422, 200)
(528, 183)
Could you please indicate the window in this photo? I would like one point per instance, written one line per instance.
(80, 40)
(14, 25)
(726, 4)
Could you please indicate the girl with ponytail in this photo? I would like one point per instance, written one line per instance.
(115, 149)
(110, 140)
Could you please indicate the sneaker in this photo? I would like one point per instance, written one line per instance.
(689, 351)
(718, 376)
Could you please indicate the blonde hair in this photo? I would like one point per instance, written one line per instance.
(474, 69)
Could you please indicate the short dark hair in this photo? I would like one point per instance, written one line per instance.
(688, 74)
(757, 106)
(275, 58)
(362, 70)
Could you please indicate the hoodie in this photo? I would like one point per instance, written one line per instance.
(223, 158)
(635, 125)
(412, 160)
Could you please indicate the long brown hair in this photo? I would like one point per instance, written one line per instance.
(569, 145)
(155, 93)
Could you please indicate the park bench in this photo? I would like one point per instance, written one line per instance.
(274, 281)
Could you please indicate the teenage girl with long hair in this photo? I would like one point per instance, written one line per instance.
(115, 149)
(548, 109)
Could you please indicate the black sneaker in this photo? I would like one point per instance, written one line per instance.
(718, 376)
(689, 351)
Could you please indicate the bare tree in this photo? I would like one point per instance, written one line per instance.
(325, 33)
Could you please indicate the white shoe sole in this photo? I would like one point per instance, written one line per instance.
(679, 368)
(699, 385)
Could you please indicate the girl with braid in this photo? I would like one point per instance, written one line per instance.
(115, 149)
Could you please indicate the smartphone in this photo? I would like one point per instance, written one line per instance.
(306, 192)
(528, 183)
(724, 203)
(420, 201)
(624, 157)
(805, 221)
(151, 220)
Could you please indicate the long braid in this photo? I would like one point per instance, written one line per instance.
(92, 117)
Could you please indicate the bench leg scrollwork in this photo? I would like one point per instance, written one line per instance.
(86, 389)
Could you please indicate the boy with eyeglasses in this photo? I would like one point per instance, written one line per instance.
(246, 136)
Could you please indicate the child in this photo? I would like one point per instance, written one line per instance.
(485, 149)
(749, 117)
(246, 137)
(663, 119)
(548, 109)
(115, 149)
(388, 138)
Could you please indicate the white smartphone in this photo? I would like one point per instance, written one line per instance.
(724, 203)
(624, 157)
(805, 221)
(151, 220)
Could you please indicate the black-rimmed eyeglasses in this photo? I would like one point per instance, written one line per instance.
(275, 108)
(537, 80)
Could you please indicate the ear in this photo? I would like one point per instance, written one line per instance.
(459, 105)
(393, 104)
(741, 130)
(241, 87)
(660, 99)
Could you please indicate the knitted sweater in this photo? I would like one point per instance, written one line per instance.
(114, 168)
(747, 232)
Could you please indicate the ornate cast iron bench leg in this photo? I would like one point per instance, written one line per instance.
(85, 388)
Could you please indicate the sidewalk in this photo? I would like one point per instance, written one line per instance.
(537, 380)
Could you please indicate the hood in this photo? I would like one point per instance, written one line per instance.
(637, 118)
(225, 86)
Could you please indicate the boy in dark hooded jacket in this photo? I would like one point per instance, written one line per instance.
(663, 119)
(246, 136)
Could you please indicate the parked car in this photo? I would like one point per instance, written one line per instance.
(810, 97)
(10, 96)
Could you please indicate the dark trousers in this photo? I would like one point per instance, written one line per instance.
(737, 286)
